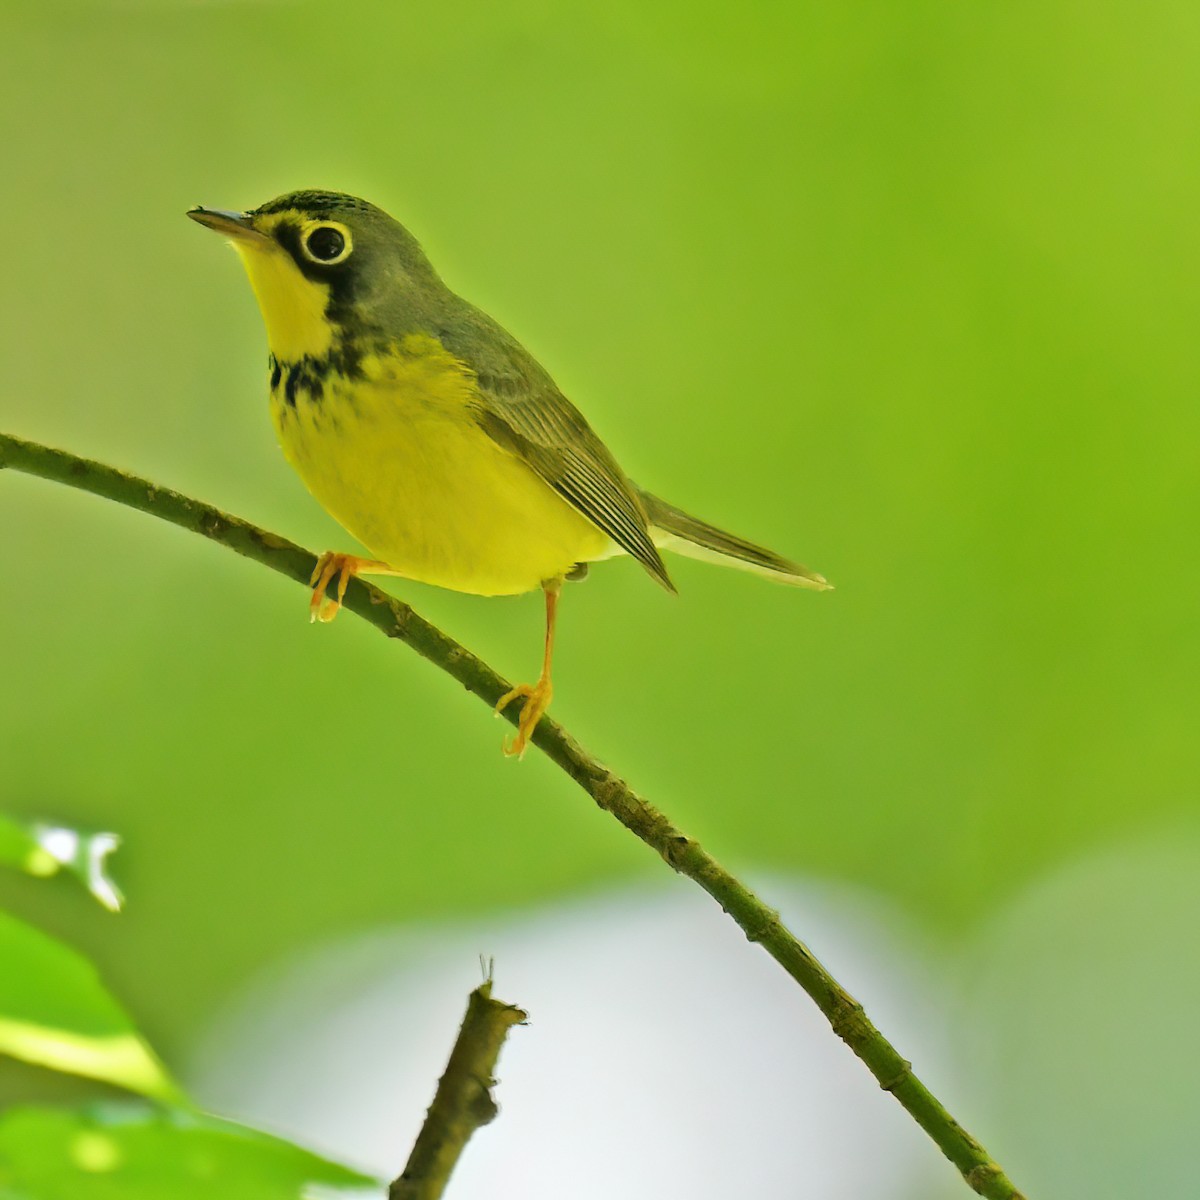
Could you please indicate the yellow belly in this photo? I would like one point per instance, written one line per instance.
(398, 461)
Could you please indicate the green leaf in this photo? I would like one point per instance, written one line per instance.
(139, 1152)
(54, 1011)
(39, 848)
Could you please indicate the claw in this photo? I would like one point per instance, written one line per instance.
(537, 698)
(345, 566)
(536, 695)
(320, 608)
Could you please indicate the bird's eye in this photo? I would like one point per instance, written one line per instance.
(326, 243)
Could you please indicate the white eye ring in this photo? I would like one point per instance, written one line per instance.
(335, 237)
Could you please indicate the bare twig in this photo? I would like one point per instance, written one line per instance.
(397, 620)
(463, 1101)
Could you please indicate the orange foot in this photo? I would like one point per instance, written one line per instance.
(345, 567)
(537, 699)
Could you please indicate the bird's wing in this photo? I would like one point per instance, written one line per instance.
(519, 407)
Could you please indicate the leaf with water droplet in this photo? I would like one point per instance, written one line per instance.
(41, 848)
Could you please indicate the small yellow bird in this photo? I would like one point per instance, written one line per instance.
(432, 435)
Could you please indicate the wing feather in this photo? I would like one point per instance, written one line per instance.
(519, 406)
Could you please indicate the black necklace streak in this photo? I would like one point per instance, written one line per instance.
(307, 375)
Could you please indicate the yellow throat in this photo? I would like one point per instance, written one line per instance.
(293, 306)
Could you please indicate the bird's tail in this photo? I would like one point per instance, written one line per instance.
(676, 530)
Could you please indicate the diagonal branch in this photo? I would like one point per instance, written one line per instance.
(397, 620)
(463, 1101)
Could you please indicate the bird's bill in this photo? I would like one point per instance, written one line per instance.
(239, 226)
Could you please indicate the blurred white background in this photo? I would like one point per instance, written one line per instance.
(666, 1057)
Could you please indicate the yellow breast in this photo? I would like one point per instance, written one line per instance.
(396, 457)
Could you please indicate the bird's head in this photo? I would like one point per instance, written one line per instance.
(325, 267)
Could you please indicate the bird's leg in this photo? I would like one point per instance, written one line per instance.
(536, 695)
(345, 567)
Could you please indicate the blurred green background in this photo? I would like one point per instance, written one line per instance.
(904, 291)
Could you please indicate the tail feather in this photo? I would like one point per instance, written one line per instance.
(676, 530)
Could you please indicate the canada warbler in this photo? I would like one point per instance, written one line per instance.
(432, 435)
